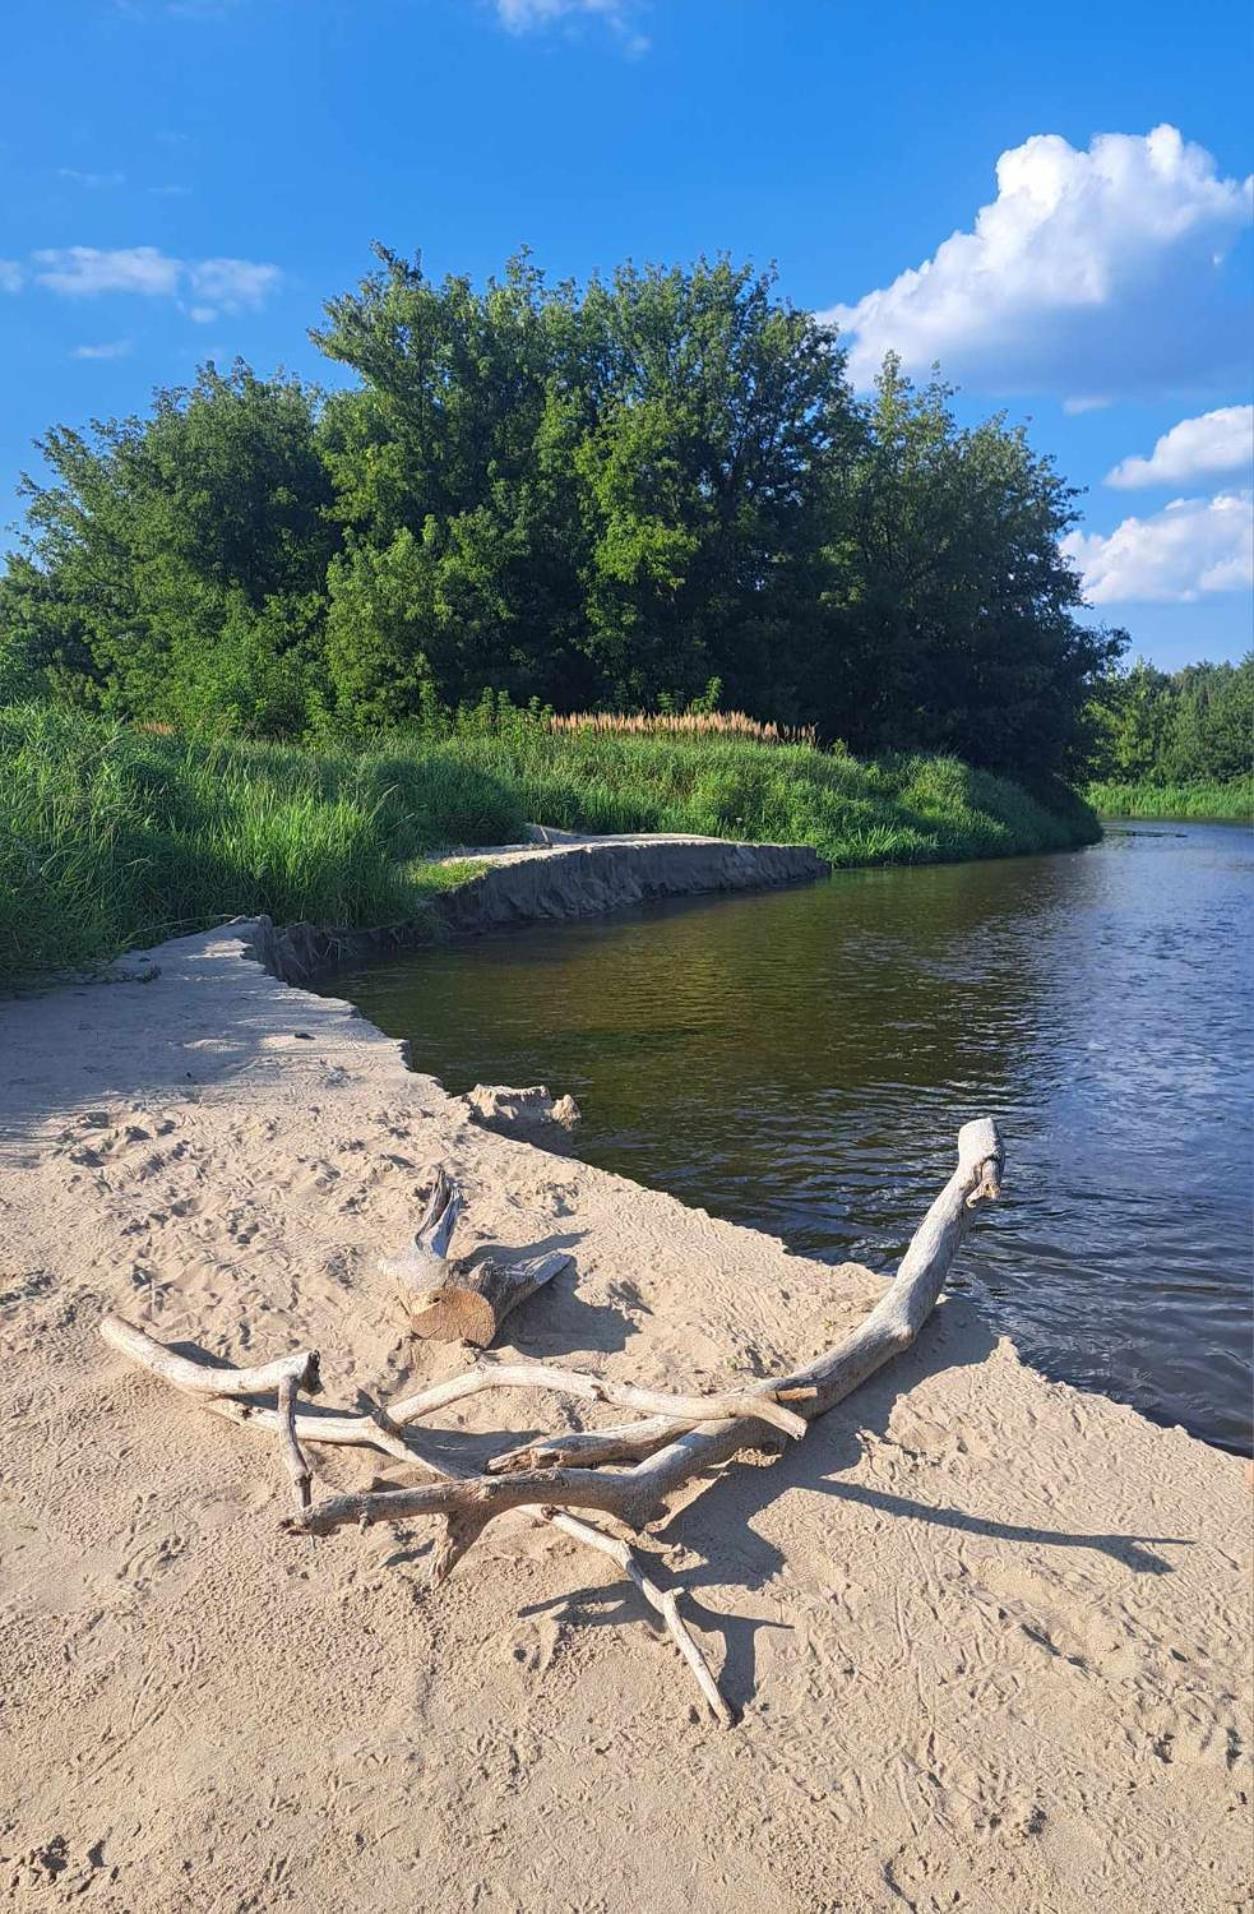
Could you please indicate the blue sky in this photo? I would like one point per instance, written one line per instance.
(981, 184)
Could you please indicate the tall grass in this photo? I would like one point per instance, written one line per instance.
(113, 838)
(1223, 803)
(907, 809)
(683, 724)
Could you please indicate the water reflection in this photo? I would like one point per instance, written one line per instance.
(801, 1061)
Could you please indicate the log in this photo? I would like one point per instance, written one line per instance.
(471, 1301)
(447, 1301)
(634, 1495)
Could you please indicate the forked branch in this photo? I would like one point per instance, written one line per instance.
(682, 1435)
(633, 1495)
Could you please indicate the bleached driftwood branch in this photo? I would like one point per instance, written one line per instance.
(665, 1601)
(293, 1454)
(633, 1495)
(760, 1402)
(684, 1436)
(220, 1389)
(197, 1377)
(194, 1376)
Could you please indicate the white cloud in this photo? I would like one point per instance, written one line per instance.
(85, 272)
(92, 180)
(1220, 441)
(110, 349)
(1194, 546)
(1091, 273)
(12, 276)
(522, 16)
(232, 283)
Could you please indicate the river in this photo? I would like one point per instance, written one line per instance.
(800, 1061)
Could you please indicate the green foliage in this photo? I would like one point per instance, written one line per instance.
(903, 809)
(112, 837)
(649, 491)
(174, 568)
(1193, 727)
(1229, 803)
(959, 612)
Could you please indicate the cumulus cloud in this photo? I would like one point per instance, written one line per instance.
(232, 283)
(110, 349)
(1193, 546)
(1220, 441)
(1095, 274)
(85, 272)
(521, 16)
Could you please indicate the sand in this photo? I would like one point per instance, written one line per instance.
(989, 1635)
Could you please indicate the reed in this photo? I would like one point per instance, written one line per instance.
(1228, 803)
(683, 724)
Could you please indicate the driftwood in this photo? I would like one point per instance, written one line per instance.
(473, 1300)
(682, 1435)
(448, 1300)
(199, 1378)
(633, 1495)
(373, 1429)
(762, 1404)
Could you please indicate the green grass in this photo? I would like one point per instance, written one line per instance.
(1225, 803)
(112, 838)
(906, 809)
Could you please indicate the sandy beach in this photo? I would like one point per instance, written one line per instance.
(988, 1636)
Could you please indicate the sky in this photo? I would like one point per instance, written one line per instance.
(1054, 203)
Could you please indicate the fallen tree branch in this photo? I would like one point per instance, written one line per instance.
(293, 1455)
(623, 1442)
(219, 1390)
(200, 1377)
(664, 1601)
(758, 1401)
(633, 1495)
(191, 1375)
(687, 1437)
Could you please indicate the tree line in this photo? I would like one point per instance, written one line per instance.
(1193, 726)
(597, 496)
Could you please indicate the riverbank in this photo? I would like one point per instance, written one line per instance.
(985, 1631)
(1231, 803)
(112, 838)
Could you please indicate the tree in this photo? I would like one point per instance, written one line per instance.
(176, 563)
(612, 494)
(956, 611)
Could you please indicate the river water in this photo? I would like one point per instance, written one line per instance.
(800, 1061)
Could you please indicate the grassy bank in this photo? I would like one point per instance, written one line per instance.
(1228, 803)
(113, 838)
